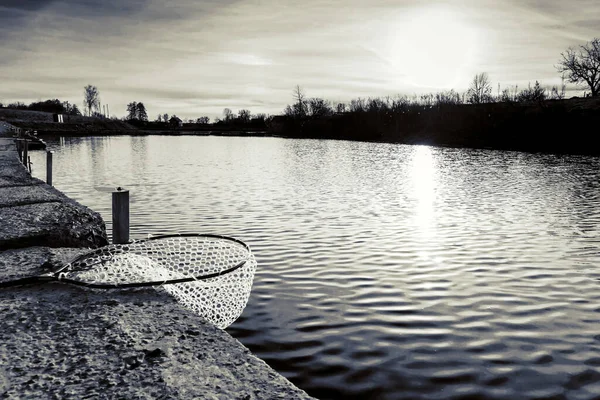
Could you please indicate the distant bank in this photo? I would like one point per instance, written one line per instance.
(552, 126)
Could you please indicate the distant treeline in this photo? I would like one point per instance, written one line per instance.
(234, 125)
(562, 126)
(244, 121)
(533, 119)
(54, 106)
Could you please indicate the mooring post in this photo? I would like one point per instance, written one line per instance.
(120, 216)
(20, 149)
(49, 155)
(26, 153)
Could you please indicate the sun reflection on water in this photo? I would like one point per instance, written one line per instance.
(423, 180)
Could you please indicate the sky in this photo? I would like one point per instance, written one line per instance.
(194, 58)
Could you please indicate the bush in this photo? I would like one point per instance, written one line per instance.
(532, 94)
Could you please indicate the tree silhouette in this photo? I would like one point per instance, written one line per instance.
(165, 117)
(582, 65)
(300, 106)
(52, 106)
(244, 116)
(227, 114)
(532, 94)
(73, 110)
(137, 111)
(91, 98)
(141, 114)
(132, 110)
(318, 107)
(480, 90)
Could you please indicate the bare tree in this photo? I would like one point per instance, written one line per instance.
(376, 105)
(426, 100)
(582, 65)
(74, 110)
(556, 94)
(448, 97)
(357, 105)
(289, 111)
(71, 109)
(506, 96)
(480, 90)
(91, 98)
(227, 114)
(300, 106)
(132, 110)
(532, 94)
(318, 107)
(244, 116)
(165, 117)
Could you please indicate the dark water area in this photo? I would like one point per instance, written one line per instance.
(384, 271)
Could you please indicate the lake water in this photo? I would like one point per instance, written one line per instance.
(385, 271)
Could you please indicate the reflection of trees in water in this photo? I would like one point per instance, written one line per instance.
(139, 154)
(69, 140)
(97, 150)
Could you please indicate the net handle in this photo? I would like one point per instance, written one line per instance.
(157, 237)
(30, 280)
(150, 283)
(60, 278)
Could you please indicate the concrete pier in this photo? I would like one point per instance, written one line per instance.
(61, 341)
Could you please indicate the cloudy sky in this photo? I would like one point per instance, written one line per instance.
(196, 57)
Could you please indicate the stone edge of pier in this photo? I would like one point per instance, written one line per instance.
(62, 341)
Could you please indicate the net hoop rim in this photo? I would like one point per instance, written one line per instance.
(239, 265)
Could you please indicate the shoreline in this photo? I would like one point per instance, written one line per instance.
(71, 342)
(589, 151)
(551, 126)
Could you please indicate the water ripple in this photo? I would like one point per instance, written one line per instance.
(385, 271)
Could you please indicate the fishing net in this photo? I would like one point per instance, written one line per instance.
(210, 275)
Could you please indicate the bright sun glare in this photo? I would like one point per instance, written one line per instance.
(432, 47)
(423, 174)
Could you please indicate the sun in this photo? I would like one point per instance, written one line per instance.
(432, 47)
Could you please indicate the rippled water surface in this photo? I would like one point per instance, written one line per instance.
(385, 271)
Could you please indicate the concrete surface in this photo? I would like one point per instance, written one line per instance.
(33, 213)
(59, 341)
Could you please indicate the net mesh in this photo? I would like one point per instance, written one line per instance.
(220, 299)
